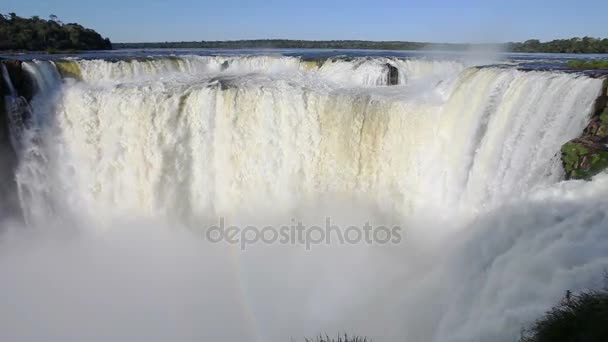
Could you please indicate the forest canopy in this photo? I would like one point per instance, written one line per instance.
(36, 34)
(573, 45)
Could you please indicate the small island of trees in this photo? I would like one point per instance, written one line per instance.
(36, 34)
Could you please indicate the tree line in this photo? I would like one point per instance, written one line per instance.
(36, 34)
(573, 45)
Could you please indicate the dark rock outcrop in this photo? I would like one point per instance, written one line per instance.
(393, 74)
(586, 156)
(22, 83)
(9, 204)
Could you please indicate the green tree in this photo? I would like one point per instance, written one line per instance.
(37, 34)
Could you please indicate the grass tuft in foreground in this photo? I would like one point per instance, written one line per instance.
(578, 318)
(344, 338)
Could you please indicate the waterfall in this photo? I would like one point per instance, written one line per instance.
(45, 75)
(28, 128)
(125, 162)
(344, 71)
(210, 142)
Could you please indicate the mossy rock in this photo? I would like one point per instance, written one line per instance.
(584, 159)
(602, 130)
(587, 156)
(69, 69)
(311, 63)
(598, 126)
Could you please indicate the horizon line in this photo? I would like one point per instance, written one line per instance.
(349, 40)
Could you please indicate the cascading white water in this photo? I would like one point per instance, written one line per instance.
(28, 124)
(136, 144)
(370, 71)
(206, 143)
(345, 72)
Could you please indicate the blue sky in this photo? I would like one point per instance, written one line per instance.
(431, 20)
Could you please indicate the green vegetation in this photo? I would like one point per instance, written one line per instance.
(35, 34)
(589, 64)
(578, 318)
(587, 155)
(600, 129)
(574, 45)
(584, 159)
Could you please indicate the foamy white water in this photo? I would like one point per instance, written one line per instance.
(466, 159)
(215, 143)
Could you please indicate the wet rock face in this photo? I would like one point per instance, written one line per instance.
(4, 128)
(9, 205)
(3, 118)
(22, 83)
(587, 155)
(393, 75)
(8, 162)
(584, 158)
